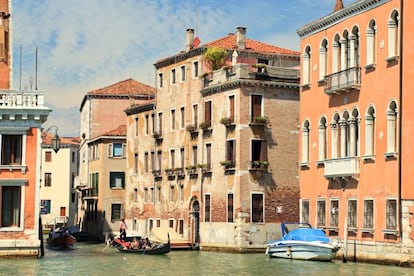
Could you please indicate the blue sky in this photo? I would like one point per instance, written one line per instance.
(88, 44)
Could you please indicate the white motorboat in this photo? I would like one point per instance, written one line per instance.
(302, 243)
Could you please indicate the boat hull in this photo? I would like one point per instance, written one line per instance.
(66, 241)
(298, 250)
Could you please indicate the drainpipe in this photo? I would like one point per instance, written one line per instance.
(400, 119)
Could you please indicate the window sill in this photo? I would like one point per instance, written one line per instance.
(321, 81)
(332, 228)
(390, 155)
(320, 163)
(352, 229)
(367, 230)
(117, 188)
(13, 167)
(11, 229)
(370, 66)
(390, 231)
(304, 164)
(391, 59)
(305, 85)
(368, 158)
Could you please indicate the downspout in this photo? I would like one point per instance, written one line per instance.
(400, 118)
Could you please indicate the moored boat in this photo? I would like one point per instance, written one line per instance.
(302, 243)
(61, 238)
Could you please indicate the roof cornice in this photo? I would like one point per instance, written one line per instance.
(341, 15)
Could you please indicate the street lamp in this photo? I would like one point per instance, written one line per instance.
(56, 139)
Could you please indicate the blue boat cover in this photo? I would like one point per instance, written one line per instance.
(306, 234)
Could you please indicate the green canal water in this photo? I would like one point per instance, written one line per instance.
(88, 259)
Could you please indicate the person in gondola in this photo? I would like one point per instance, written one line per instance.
(135, 244)
(122, 229)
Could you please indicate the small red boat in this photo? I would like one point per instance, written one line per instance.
(61, 239)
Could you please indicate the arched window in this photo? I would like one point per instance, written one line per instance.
(345, 60)
(305, 142)
(371, 41)
(306, 65)
(393, 35)
(370, 132)
(335, 136)
(392, 128)
(354, 133)
(336, 54)
(354, 48)
(322, 139)
(323, 54)
(345, 136)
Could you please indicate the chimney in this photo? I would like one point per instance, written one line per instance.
(189, 40)
(241, 38)
(339, 5)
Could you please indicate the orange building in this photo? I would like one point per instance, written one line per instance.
(355, 160)
(22, 114)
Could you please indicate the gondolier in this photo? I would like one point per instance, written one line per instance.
(122, 229)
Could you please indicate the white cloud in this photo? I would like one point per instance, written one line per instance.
(85, 45)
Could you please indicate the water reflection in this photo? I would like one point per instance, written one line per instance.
(88, 259)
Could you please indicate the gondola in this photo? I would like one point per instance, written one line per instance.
(154, 249)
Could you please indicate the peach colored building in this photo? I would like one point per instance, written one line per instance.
(354, 159)
(22, 114)
(102, 112)
(214, 155)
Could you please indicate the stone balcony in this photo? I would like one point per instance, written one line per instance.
(342, 167)
(344, 81)
(250, 72)
(23, 105)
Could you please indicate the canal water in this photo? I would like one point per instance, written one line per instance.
(96, 259)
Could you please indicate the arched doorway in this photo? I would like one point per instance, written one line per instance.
(195, 222)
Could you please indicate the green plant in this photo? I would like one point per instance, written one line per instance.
(226, 163)
(215, 57)
(190, 128)
(260, 120)
(225, 120)
(202, 166)
(190, 167)
(205, 125)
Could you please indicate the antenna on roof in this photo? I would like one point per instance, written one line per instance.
(20, 69)
(36, 70)
(196, 30)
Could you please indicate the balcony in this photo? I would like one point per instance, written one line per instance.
(343, 81)
(258, 121)
(342, 167)
(26, 99)
(258, 165)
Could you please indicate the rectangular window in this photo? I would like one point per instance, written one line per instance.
(153, 161)
(207, 113)
(73, 157)
(147, 124)
(45, 206)
(151, 224)
(48, 156)
(158, 195)
(11, 149)
(146, 161)
(159, 159)
(173, 80)
(256, 106)
(10, 206)
(146, 195)
(160, 80)
(116, 212)
(117, 179)
(194, 156)
(160, 123)
(207, 208)
(181, 192)
(391, 216)
(172, 158)
(231, 152)
(182, 123)
(195, 69)
(182, 158)
(369, 214)
(158, 223)
(230, 209)
(135, 194)
(181, 227)
(116, 150)
(195, 115)
(173, 119)
(153, 122)
(305, 211)
(48, 179)
(95, 184)
(352, 213)
(135, 163)
(259, 150)
(171, 223)
(231, 108)
(334, 219)
(136, 127)
(321, 209)
(182, 68)
(257, 208)
(208, 156)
